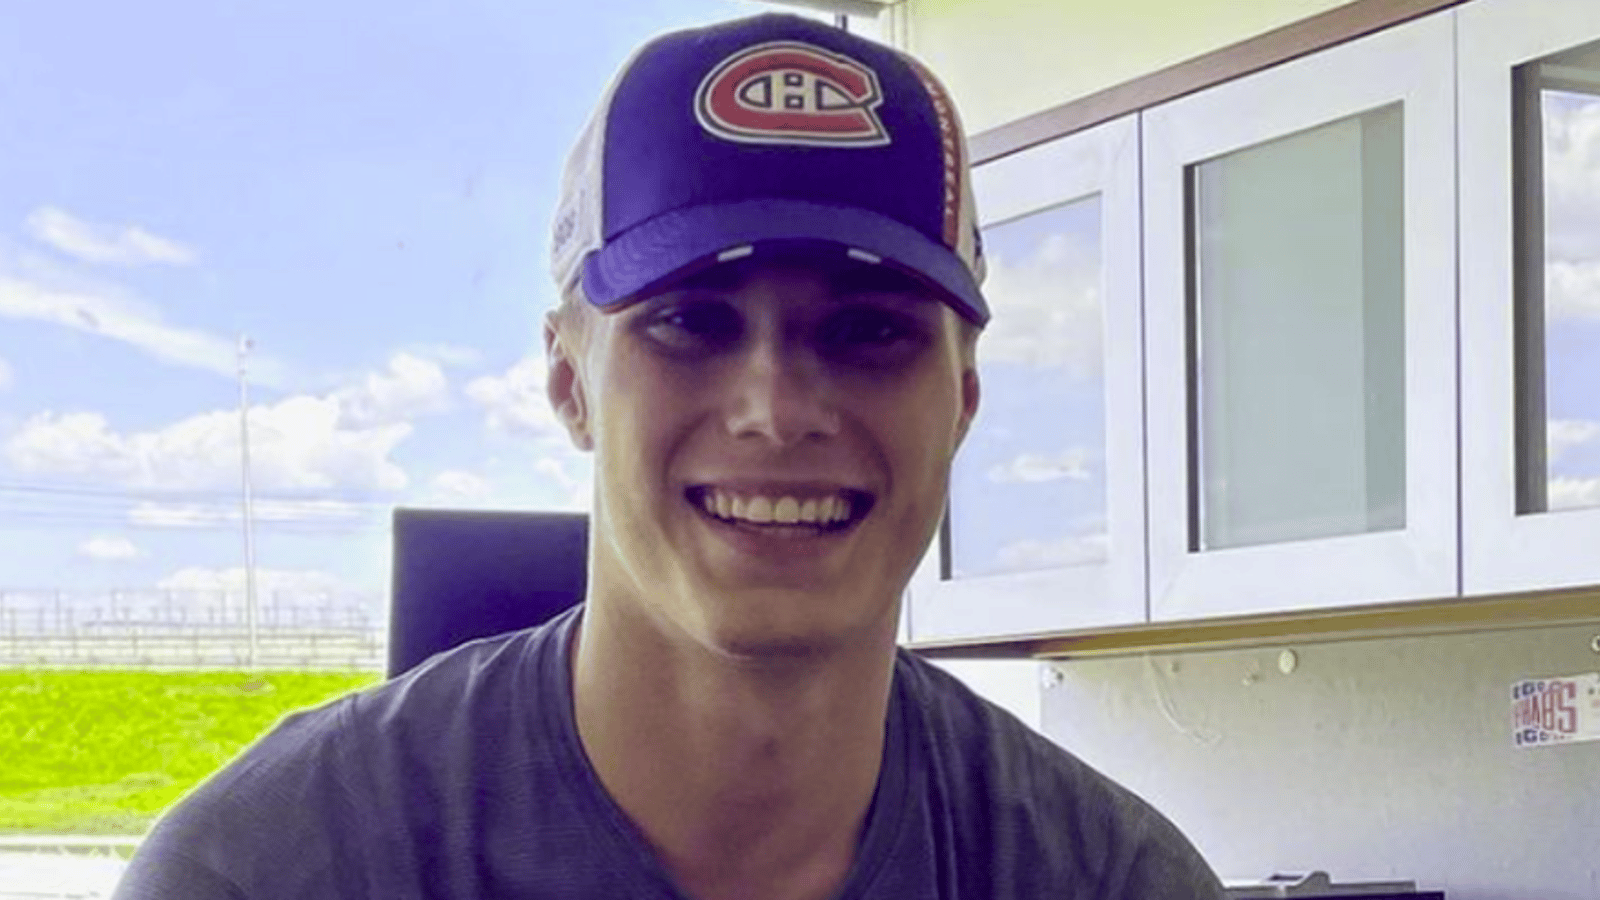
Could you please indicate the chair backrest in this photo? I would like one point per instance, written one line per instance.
(461, 575)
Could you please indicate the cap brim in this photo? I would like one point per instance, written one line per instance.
(654, 251)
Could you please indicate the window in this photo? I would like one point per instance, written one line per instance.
(1556, 125)
(1029, 488)
(1298, 335)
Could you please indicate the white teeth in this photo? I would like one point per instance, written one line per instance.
(758, 510)
(783, 510)
(787, 511)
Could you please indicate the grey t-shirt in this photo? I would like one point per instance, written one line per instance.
(464, 778)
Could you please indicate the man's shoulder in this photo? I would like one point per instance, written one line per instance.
(370, 775)
(963, 724)
(961, 721)
(485, 696)
(472, 679)
(1038, 804)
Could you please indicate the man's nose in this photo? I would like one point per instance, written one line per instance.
(781, 394)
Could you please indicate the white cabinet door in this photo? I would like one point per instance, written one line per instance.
(1300, 333)
(1530, 293)
(1046, 516)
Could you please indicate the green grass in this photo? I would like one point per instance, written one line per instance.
(103, 751)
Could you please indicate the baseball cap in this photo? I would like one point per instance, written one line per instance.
(713, 144)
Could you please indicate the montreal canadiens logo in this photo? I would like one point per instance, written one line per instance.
(792, 93)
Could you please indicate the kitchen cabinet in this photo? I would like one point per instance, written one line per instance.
(1348, 358)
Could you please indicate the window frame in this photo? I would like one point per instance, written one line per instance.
(1412, 64)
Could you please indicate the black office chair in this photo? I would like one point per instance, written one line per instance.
(461, 575)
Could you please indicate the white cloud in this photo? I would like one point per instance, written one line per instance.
(205, 515)
(459, 487)
(1068, 551)
(1046, 309)
(310, 510)
(340, 440)
(305, 587)
(555, 479)
(1564, 434)
(298, 444)
(102, 311)
(6, 377)
(1036, 467)
(1572, 289)
(1574, 493)
(109, 549)
(231, 579)
(410, 387)
(115, 244)
(515, 402)
(575, 492)
(446, 354)
(1572, 177)
(560, 478)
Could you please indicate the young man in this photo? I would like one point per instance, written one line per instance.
(770, 275)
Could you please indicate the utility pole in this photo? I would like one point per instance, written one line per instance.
(247, 510)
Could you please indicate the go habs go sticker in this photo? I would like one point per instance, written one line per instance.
(1555, 710)
(788, 92)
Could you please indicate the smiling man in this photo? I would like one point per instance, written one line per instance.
(770, 275)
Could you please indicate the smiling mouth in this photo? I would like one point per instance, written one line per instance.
(833, 514)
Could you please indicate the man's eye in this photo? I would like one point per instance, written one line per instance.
(696, 326)
(870, 330)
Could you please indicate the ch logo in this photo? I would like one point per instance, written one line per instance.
(787, 92)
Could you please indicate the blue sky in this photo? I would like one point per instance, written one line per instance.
(1028, 490)
(1572, 298)
(363, 189)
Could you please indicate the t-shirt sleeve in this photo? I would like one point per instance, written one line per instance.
(1043, 822)
(1122, 845)
(164, 873)
(1168, 867)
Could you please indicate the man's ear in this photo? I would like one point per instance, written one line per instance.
(564, 386)
(969, 402)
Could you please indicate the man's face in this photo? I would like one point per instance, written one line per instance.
(773, 444)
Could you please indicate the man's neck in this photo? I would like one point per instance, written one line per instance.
(748, 778)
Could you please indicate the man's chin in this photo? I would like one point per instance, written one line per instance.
(776, 624)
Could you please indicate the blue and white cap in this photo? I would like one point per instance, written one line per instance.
(712, 143)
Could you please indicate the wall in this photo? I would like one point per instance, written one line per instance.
(1003, 59)
(1374, 760)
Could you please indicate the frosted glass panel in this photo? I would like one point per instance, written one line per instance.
(1558, 278)
(1028, 490)
(1297, 336)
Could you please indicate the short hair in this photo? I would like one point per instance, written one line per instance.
(572, 310)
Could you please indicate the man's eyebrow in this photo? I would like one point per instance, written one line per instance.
(844, 280)
(876, 279)
(712, 278)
